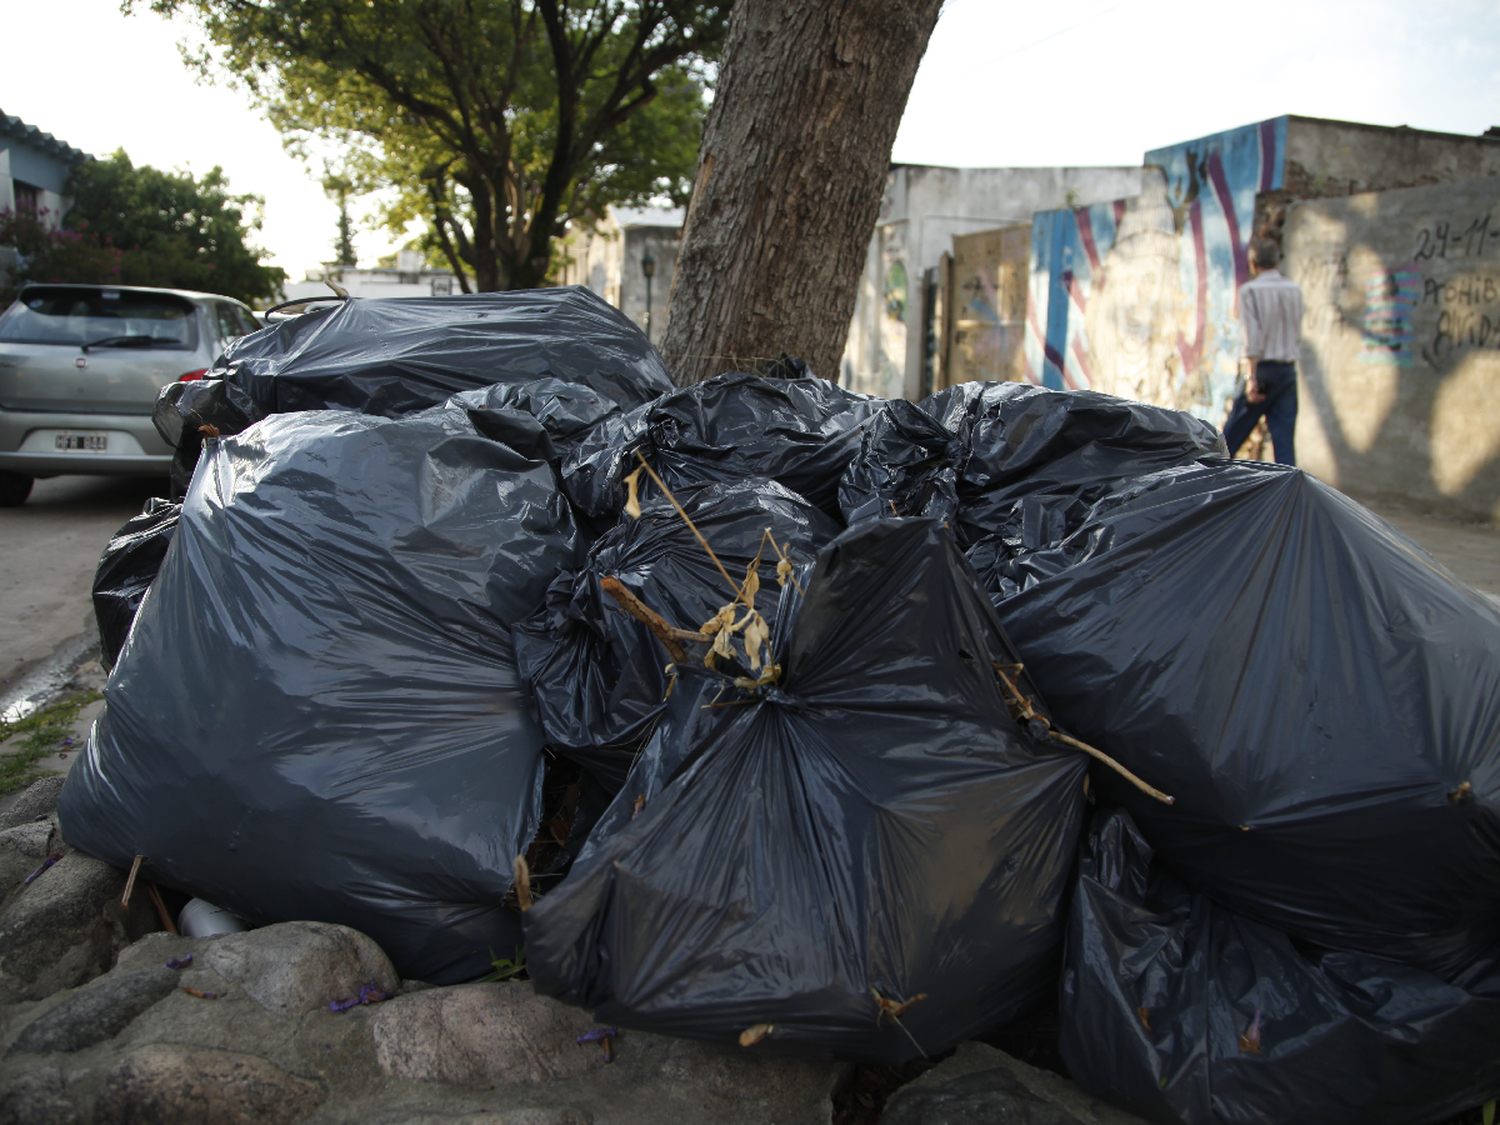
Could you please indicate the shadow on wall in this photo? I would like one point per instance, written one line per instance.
(1401, 344)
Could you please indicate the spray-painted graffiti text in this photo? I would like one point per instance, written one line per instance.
(1454, 240)
(1463, 330)
(1478, 290)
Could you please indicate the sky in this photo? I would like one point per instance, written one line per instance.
(1003, 83)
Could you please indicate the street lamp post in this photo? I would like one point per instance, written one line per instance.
(648, 267)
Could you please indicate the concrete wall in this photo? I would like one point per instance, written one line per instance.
(606, 259)
(1139, 297)
(1400, 388)
(922, 210)
(1338, 158)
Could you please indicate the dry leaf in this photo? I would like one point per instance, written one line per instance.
(632, 501)
(724, 617)
(751, 587)
(1250, 1037)
(783, 571)
(753, 1035)
(757, 633)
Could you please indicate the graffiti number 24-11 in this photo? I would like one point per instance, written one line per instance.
(1448, 240)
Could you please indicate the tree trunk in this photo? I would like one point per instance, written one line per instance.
(790, 176)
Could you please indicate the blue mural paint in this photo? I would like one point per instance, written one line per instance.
(1141, 295)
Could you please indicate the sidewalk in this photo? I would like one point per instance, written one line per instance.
(1469, 550)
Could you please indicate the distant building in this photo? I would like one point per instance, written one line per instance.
(897, 336)
(409, 277)
(34, 168)
(1392, 233)
(607, 259)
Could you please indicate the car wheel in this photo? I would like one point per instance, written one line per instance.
(14, 488)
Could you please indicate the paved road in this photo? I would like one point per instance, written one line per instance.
(49, 548)
(1469, 550)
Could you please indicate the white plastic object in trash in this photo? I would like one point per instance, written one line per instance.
(204, 919)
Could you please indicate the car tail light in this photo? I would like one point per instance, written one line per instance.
(191, 375)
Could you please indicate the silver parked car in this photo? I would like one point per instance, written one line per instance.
(80, 368)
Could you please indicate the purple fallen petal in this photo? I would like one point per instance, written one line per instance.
(46, 863)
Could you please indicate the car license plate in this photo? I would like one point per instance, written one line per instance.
(96, 443)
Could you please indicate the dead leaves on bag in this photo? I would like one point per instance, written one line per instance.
(752, 628)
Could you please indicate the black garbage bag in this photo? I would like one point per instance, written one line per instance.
(800, 431)
(595, 672)
(1033, 453)
(1321, 697)
(567, 411)
(187, 412)
(907, 465)
(1183, 1011)
(126, 570)
(874, 827)
(399, 355)
(317, 714)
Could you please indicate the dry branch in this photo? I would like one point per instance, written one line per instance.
(669, 635)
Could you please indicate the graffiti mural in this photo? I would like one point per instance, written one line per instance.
(1140, 297)
(1390, 297)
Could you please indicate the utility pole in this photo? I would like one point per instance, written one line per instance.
(648, 267)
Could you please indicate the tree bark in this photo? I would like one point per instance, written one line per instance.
(790, 175)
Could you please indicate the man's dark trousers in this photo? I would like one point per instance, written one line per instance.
(1279, 383)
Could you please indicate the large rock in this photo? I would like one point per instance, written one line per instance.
(529, 1115)
(297, 967)
(167, 1084)
(94, 1014)
(35, 1097)
(980, 1086)
(482, 1033)
(22, 850)
(36, 802)
(493, 1054)
(66, 927)
(741, 1075)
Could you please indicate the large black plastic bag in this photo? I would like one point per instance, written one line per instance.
(126, 571)
(596, 672)
(398, 355)
(907, 466)
(1322, 699)
(1183, 1011)
(317, 714)
(1032, 453)
(876, 822)
(801, 432)
(569, 412)
(184, 410)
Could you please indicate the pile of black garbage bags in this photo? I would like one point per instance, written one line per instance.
(825, 790)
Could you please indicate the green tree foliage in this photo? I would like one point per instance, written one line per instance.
(495, 122)
(171, 229)
(53, 255)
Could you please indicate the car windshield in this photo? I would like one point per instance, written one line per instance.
(77, 317)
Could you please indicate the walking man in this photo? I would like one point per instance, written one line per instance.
(1271, 322)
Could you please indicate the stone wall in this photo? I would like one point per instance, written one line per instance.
(1400, 390)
